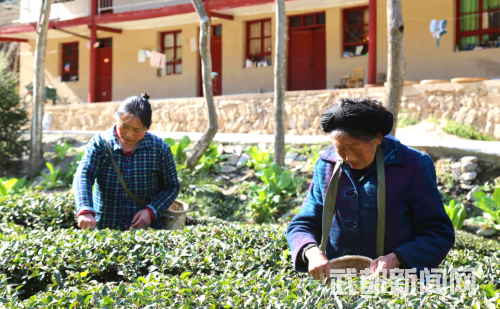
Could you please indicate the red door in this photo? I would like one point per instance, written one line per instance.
(104, 74)
(216, 53)
(307, 52)
(319, 56)
(301, 60)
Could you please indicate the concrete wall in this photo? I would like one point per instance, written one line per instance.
(475, 104)
(424, 59)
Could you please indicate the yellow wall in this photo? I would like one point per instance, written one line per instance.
(424, 59)
(75, 91)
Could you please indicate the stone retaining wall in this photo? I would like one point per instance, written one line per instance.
(476, 104)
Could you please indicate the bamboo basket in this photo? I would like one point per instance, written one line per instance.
(358, 262)
(175, 216)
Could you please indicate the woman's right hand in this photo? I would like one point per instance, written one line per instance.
(319, 265)
(86, 221)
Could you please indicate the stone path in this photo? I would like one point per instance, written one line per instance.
(485, 151)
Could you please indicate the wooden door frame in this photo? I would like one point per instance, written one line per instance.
(289, 51)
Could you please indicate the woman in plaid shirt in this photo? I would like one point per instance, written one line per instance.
(146, 164)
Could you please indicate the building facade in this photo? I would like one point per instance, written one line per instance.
(107, 50)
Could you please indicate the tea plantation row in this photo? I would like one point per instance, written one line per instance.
(46, 263)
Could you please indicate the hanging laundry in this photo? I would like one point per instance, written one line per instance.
(438, 29)
(141, 56)
(163, 62)
(155, 60)
(147, 53)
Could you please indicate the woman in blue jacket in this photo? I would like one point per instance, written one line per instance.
(418, 232)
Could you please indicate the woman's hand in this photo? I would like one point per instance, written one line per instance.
(86, 221)
(319, 265)
(388, 262)
(141, 220)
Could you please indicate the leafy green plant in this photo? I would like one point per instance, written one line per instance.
(53, 179)
(13, 118)
(11, 186)
(211, 159)
(39, 211)
(433, 120)
(457, 214)
(405, 119)
(491, 207)
(466, 131)
(179, 150)
(71, 168)
(260, 159)
(277, 186)
(61, 150)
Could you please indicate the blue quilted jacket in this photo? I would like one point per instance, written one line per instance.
(417, 226)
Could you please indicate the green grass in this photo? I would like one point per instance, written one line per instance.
(466, 131)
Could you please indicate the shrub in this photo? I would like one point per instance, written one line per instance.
(260, 159)
(179, 151)
(12, 118)
(211, 159)
(405, 119)
(457, 214)
(12, 186)
(53, 179)
(39, 211)
(491, 207)
(466, 131)
(277, 186)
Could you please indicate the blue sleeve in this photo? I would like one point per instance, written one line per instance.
(434, 229)
(86, 175)
(306, 227)
(168, 183)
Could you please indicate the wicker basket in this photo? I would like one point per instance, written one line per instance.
(351, 261)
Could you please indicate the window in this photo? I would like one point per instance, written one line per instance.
(171, 43)
(304, 21)
(104, 43)
(217, 30)
(70, 62)
(259, 43)
(478, 24)
(355, 28)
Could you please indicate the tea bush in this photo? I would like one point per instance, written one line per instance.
(217, 265)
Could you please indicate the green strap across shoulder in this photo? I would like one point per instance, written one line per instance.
(331, 198)
(120, 177)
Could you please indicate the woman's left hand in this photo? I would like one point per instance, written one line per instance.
(141, 220)
(388, 262)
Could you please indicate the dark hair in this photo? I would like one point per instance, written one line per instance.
(137, 106)
(360, 118)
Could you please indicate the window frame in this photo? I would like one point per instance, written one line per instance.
(174, 47)
(479, 32)
(345, 11)
(262, 39)
(63, 58)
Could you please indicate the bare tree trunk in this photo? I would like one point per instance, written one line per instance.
(279, 84)
(206, 71)
(396, 59)
(15, 66)
(36, 151)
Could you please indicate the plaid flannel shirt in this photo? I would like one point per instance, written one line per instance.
(149, 172)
